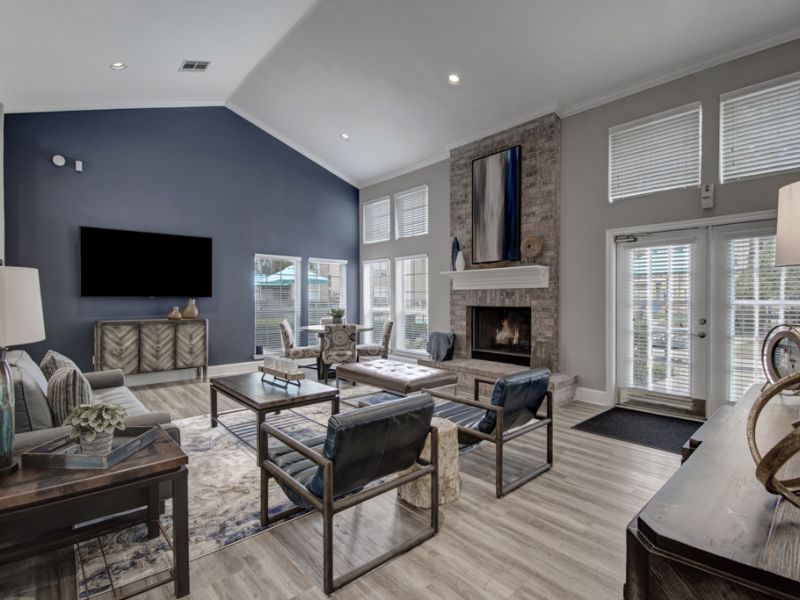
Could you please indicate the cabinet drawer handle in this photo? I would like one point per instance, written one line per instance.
(159, 347)
(121, 349)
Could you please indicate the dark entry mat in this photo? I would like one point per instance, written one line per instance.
(645, 429)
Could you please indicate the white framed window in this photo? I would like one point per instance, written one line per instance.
(760, 129)
(758, 296)
(656, 153)
(376, 220)
(411, 212)
(327, 289)
(411, 303)
(376, 297)
(277, 297)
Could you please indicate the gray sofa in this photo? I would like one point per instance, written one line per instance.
(33, 420)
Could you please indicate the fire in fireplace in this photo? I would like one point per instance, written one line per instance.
(502, 334)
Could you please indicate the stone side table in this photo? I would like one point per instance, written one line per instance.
(418, 493)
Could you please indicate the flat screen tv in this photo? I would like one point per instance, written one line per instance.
(135, 263)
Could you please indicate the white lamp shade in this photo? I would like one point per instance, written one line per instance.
(21, 320)
(787, 247)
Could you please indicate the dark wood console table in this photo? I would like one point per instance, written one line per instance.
(713, 531)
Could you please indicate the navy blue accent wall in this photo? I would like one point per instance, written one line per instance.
(191, 171)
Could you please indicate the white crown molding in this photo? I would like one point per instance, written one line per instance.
(115, 105)
(569, 110)
(248, 116)
(405, 170)
(537, 113)
(708, 62)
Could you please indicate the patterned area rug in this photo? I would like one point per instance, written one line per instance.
(223, 504)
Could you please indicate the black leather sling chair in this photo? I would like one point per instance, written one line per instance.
(329, 473)
(515, 401)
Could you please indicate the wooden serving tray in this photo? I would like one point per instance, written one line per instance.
(65, 452)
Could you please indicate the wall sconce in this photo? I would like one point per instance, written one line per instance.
(60, 161)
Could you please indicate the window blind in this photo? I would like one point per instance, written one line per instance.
(277, 297)
(659, 281)
(376, 298)
(327, 289)
(760, 130)
(377, 220)
(412, 303)
(760, 296)
(411, 212)
(657, 153)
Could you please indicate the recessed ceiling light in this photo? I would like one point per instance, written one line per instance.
(344, 136)
(118, 66)
(453, 79)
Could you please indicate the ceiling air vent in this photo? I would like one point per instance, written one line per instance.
(194, 66)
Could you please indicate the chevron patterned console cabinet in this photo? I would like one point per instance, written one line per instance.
(151, 345)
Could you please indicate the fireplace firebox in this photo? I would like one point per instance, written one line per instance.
(502, 334)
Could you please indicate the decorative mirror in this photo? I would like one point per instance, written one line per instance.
(780, 354)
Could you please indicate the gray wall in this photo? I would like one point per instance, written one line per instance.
(586, 213)
(436, 244)
(2, 195)
(191, 171)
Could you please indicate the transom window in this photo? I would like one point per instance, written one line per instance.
(657, 153)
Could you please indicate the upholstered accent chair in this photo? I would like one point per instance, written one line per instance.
(292, 351)
(516, 400)
(382, 349)
(338, 346)
(330, 473)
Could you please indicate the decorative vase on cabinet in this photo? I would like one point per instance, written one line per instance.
(190, 311)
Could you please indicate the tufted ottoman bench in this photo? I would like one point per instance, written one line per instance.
(394, 376)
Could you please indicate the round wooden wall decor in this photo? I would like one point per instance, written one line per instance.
(780, 354)
(768, 466)
(531, 246)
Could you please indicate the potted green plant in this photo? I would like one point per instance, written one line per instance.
(94, 424)
(337, 314)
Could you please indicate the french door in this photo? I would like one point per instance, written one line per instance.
(662, 306)
(693, 307)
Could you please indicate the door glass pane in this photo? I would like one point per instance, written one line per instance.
(760, 296)
(659, 316)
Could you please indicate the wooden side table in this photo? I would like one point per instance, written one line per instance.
(41, 509)
(418, 492)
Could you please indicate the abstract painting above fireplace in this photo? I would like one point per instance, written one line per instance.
(502, 334)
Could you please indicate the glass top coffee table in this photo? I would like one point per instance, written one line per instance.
(251, 393)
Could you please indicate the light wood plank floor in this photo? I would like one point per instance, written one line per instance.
(560, 536)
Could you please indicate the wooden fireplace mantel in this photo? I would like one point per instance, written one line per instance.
(525, 276)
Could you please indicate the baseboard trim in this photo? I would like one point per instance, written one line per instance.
(590, 396)
(190, 374)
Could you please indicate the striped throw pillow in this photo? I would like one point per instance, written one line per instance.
(66, 389)
(53, 361)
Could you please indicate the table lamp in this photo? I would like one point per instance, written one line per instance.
(787, 242)
(21, 322)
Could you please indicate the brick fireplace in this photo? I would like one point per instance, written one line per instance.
(501, 334)
(540, 140)
(529, 307)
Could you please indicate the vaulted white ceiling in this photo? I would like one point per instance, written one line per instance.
(309, 70)
(55, 54)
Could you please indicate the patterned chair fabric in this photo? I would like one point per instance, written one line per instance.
(381, 349)
(339, 344)
(292, 351)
